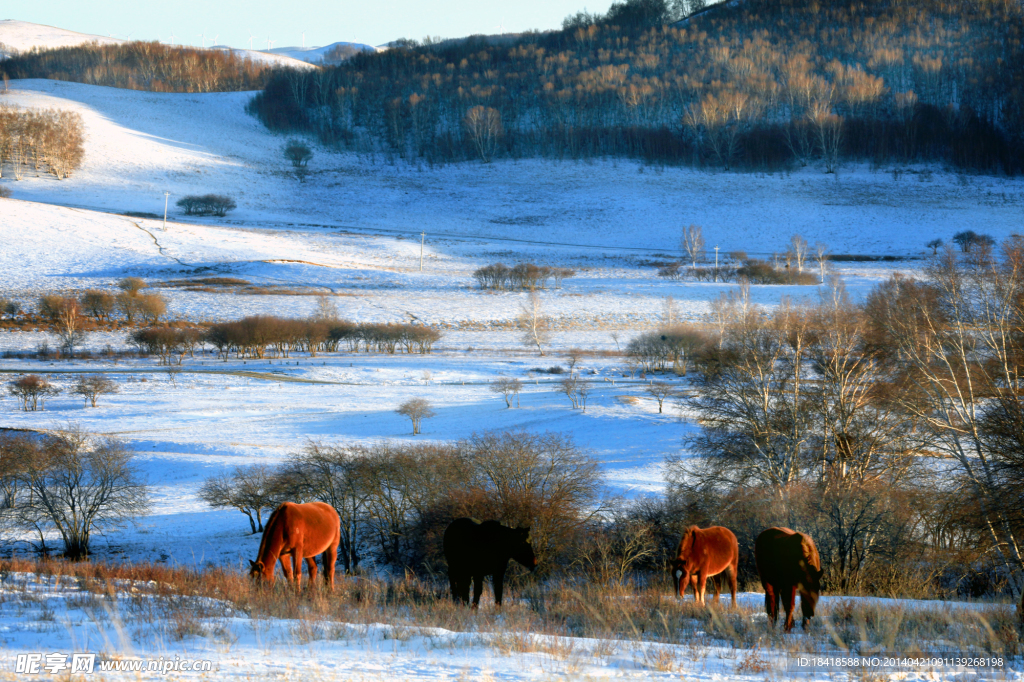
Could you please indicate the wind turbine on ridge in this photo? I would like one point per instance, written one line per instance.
(270, 43)
(172, 37)
(203, 36)
(250, 41)
(501, 26)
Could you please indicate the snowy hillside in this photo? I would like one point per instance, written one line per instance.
(22, 36)
(141, 144)
(316, 55)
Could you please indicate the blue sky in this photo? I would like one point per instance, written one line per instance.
(323, 21)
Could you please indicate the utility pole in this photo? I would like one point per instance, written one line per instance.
(716, 263)
(167, 195)
(423, 235)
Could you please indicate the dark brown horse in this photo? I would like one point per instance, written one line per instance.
(703, 554)
(297, 532)
(788, 562)
(475, 550)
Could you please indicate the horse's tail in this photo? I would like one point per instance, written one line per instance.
(267, 529)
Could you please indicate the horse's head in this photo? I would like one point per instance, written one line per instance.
(810, 590)
(259, 573)
(521, 549)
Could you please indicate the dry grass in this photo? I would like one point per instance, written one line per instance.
(546, 619)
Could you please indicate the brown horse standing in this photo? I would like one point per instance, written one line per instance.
(297, 532)
(787, 562)
(703, 554)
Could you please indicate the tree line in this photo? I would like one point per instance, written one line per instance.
(140, 65)
(743, 85)
(256, 336)
(40, 140)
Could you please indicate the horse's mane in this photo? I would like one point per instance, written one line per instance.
(266, 531)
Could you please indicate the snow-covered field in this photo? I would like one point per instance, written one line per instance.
(352, 231)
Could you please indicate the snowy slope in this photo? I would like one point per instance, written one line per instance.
(315, 55)
(142, 144)
(22, 36)
(259, 57)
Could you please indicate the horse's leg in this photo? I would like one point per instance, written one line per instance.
(771, 602)
(499, 586)
(789, 601)
(715, 587)
(454, 585)
(702, 582)
(311, 564)
(297, 561)
(286, 568)
(330, 559)
(478, 588)
(465, 582)
(733, 578)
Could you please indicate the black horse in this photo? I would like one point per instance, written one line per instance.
(475, 550)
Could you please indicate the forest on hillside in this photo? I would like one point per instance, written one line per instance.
(756, 84)
(142, 65)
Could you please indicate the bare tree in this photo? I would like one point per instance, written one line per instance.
(533, 323)
(416, 409)
(249, 489)
(77, 484)
(935, 245)
(131, 285)
(32, 390)
(151, 306)
(93, 386)
(483, 128)
(508, 388)
(692, 243)
(570, 387)
(821, 255)
(798, 251)
(326, 309)
(67, 324)
(660, 390)
(573, 357)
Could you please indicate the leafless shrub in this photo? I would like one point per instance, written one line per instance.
(416, 409)
(207, 204)
(76, 484)
(249, 489)
(92, 386)
(509, 388)
(32, 390)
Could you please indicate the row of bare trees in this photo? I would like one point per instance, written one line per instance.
(849, 411)
(396, 499)
(32, 390)
(40, 140)
(142, 66)
(258, 336)
(522, 276)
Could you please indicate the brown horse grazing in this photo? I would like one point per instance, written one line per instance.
(297, 532)
(788, 562)
(703, 554)
(475, 550)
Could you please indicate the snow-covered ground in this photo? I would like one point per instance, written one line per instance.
(352, 231)
(138, 148)
(129, 624)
